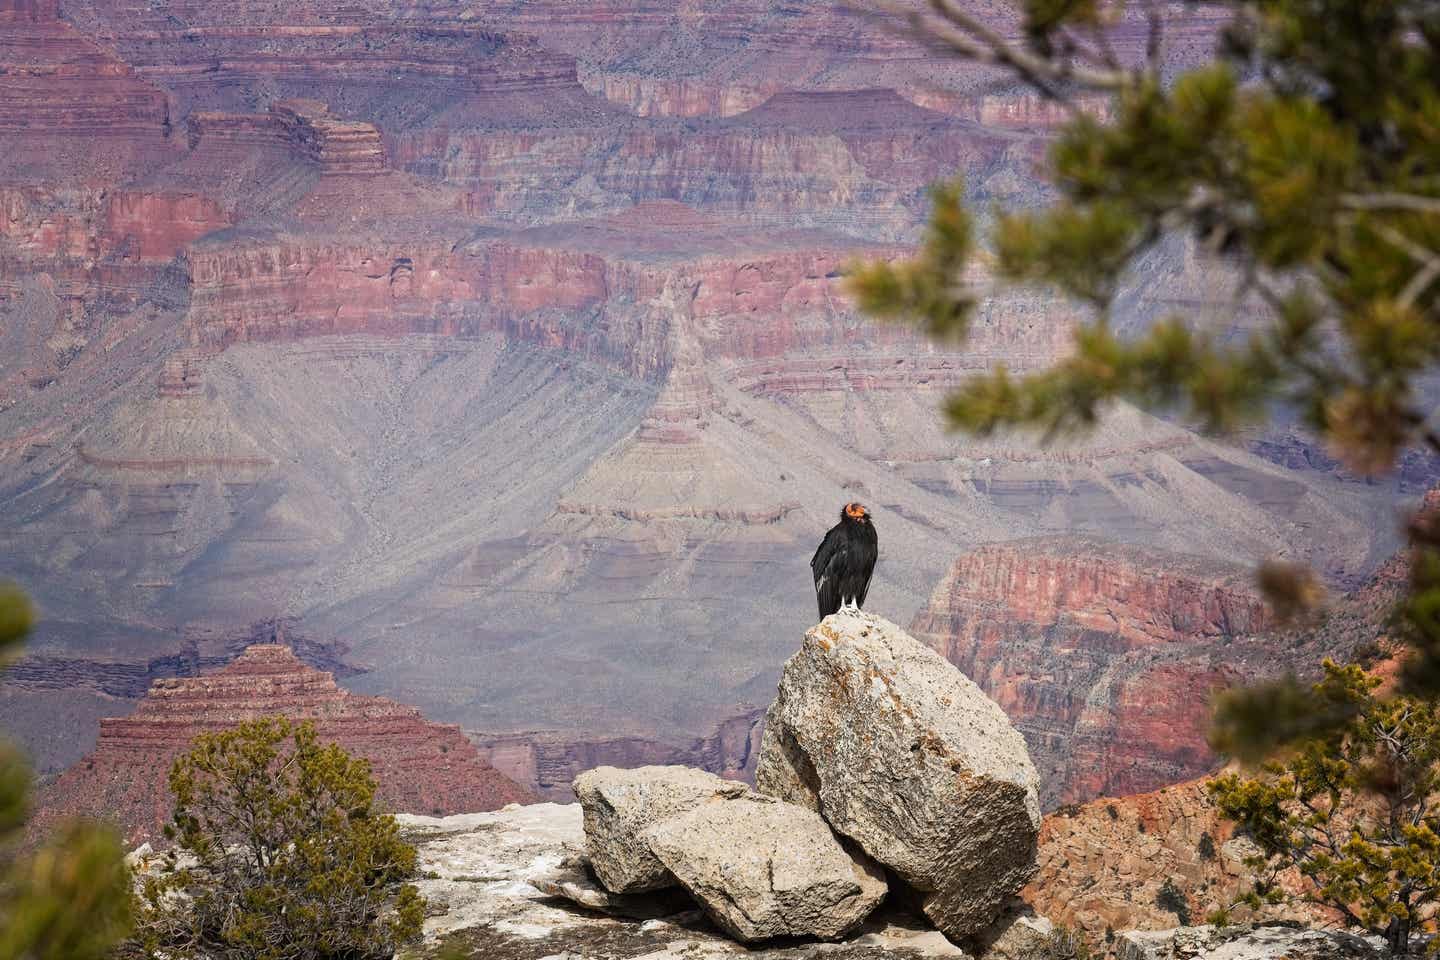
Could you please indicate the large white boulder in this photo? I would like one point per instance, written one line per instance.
(764, 869)
(619, 804)
(903, 754)
(1246, 943)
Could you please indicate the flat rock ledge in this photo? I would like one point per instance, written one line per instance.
(485, 876)
(906, 756)
(574, 881)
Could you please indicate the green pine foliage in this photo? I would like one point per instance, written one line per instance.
(1354, 811)
(1306, 159)
(281, 854)
(69, 898)
(1325, 198)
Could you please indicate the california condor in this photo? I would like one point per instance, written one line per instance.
(845, 560)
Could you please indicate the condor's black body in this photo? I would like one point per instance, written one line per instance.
(845, 560)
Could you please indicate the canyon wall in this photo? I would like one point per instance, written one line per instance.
(620, 309)
(199, 652)
(546, 762)
(659, 58)
(373, 63)
(859, 163)
(418, 766)
(1107, 656)
(1104, 656)
(136, 226)
(70, 110)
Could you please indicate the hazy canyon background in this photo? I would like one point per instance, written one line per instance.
(496, 357)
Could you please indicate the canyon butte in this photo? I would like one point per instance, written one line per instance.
(501, 352)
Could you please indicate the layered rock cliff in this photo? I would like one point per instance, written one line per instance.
(1103, 865)
(1107, 656)
(719, 58)
(389, 64)
(417, 765)
(70, 110)
(132, 226)
(197, 654)
(857, 162)
(609, 292)
(1104, 655)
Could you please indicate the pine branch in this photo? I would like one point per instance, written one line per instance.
(1391, 201)
(959, 32)
(1154, 37)
(1031, 67)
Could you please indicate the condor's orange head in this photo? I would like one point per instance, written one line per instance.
(856, 511)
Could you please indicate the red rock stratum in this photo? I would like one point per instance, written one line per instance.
(1105, 656)
(420, 767)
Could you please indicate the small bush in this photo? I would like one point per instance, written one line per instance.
(1206, 846)
(1367, 654)
(1067, 944)
(1329, 810)
(1171, 898)
(290, 858)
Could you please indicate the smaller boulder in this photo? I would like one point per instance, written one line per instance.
(619, 804)
(1019, 934)
(763, 869)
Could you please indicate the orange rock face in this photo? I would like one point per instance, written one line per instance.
(419, 766)
(1103, 865)
(1105, 657)
(156, 226)
(746, 303)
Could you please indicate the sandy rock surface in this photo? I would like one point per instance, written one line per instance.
(482, 876)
